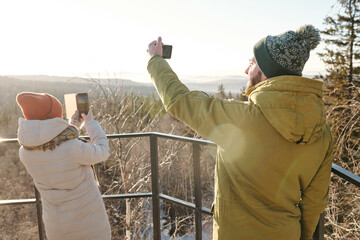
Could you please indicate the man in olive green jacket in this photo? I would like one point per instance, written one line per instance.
(274, 152)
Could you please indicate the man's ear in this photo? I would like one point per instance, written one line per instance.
(263, 77)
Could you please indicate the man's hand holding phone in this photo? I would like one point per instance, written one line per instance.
(157, 47)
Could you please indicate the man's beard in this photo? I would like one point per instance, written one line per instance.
(253, 81)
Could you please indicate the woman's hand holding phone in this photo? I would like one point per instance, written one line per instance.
(76, 120)
(88, 116)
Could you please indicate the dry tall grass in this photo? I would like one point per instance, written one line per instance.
(128, 169)
(343, 114)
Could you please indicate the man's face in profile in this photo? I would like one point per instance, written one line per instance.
(254, 74)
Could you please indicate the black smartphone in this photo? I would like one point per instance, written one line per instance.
(82, 103)
(76, 101)
(167, 50)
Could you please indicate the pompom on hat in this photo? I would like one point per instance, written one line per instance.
(39, 106)
(287, 53)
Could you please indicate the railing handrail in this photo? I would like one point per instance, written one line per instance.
(343, 173)
(156, 195)
(142, 134)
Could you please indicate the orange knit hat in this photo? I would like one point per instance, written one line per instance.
(39, 106)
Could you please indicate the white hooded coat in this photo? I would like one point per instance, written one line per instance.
(72, 204)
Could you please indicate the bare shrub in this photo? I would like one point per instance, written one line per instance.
(128, 170)
(343, 115)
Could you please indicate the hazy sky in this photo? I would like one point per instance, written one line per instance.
(109, 38)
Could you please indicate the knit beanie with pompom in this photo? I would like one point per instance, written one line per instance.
(287, 53)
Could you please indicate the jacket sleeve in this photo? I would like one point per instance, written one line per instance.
(315, 197)
(210, 117)
(95, 151)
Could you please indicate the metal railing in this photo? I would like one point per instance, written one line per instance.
(156, 195)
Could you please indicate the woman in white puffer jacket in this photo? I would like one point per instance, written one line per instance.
(60, 165)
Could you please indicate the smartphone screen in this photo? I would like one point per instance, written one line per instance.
(82, 103)
(167, 49)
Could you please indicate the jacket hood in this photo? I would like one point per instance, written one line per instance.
(37, 132)
(293, 105)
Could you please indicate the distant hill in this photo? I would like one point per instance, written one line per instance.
(231, 83)
(47, 78)
(235, 84)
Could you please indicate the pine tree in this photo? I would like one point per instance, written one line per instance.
(342, 38)
(221, 91)
(341, 97)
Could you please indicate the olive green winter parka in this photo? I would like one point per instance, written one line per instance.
(274, 153)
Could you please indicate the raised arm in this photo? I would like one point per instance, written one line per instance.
(98, 149)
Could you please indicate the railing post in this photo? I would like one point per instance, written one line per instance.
(320, 228)
(39, 214)
(155, 186)
(197, 189)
